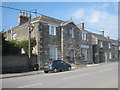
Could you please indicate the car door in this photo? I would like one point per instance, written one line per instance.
(58, 65)
(63, 65)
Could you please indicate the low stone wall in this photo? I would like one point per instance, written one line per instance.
(11, 64)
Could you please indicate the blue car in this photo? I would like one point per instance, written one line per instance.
(56, 66)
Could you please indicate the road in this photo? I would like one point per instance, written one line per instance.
(101, 76)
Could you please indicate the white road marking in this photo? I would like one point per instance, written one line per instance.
(75, 76)
(50, 74)
(30, 85)
(108, 69)
(92, 65)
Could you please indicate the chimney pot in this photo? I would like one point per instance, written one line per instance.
(108, 37)
(22, 18)
(102, 32)
(81, 24)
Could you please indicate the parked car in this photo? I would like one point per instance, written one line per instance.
(56, 66)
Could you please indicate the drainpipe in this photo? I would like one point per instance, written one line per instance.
(61, 41)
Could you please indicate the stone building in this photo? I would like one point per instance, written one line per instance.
(102, 48)
(86, 44)
(114, 46)
(64, 40)
(56, 39)
(71, 36)
(119, 49)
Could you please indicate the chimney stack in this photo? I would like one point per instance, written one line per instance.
(81, 25)
(22, 18)
(108, 37)
(102, 32)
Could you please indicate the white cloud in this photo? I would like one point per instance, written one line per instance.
(78, 14)
(105, 5)
(103, 19)
(97, 19)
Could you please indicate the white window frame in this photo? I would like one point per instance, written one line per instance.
(53, 53)
(116, 56)
(85, 53)
(115, 48)
(119, 48)
(52, 31)
(106, 56)
(109, 45)
(71, 32)
(110, 55)
(101, 44)
(84, 36)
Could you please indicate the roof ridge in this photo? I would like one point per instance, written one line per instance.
(48, 17)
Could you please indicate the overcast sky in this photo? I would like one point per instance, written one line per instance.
(95, 15)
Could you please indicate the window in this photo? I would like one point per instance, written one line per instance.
(52, 30)
(116, 56)
(110, 56)
(109, 45)
(101, 44)
(53, 53)
(71, 32)
(9, 32)
(14, 36)
(84, 36)
(106, 56)
(115, 48)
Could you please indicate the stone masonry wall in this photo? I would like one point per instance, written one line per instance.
(71, 43)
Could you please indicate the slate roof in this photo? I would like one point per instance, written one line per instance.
(114, 42)
(47, 19)
(42, 18)
(100, 37)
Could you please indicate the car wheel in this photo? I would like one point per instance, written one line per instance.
(55, 70)
(46, 71)
(69, 68)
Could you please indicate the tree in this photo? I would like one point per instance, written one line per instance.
(13, 47)
(24, 45)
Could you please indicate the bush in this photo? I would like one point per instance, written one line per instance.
(10, 47)
(14, 47)
(24, 44)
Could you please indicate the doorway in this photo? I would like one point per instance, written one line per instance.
(71, 59)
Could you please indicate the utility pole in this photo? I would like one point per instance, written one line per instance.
(30, 28)
(36, 12)
(29, 32)
(29, 42)
(61, 41)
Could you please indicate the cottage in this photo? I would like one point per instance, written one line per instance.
(101, 48)
(56, 39)
(114, 46)
(86, 44)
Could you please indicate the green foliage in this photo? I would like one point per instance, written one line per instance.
(14, 47)
(10, 47)
(25, 44)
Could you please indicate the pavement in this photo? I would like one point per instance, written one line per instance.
(100, 76)
(11, 75)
